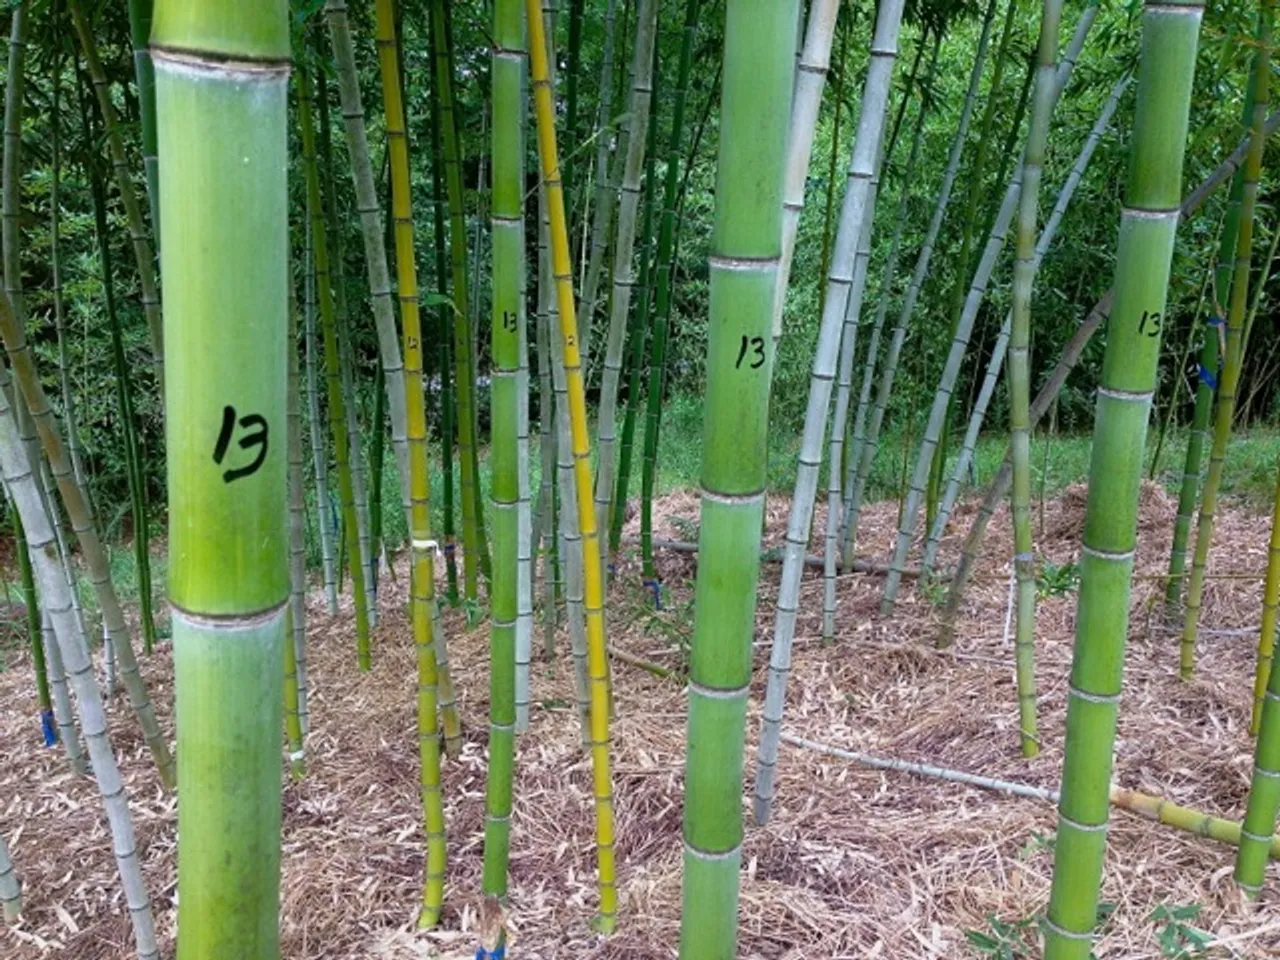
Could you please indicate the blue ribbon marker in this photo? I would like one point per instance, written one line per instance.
(655, 589)
(48, 727)
(1215, 321)
(1209, 379)
(499, 954)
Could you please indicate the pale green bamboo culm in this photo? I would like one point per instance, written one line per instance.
(1019, 370)
(1148, 226)
(1224, 412)
(145, 75)
(746, 247)
(222, 69)
(10, 885)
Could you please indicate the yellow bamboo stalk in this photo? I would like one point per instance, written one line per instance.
(597, 664)
(423, 575)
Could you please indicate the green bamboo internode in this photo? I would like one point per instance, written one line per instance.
(745, 252)
(1148, 226)
(145, 75)
(10, 886)
(1267, 635)
(473, 547)
(508, 319)
(333, 368)
(1225, 408)
(222, 70)
(295, 648)
(1024, 272)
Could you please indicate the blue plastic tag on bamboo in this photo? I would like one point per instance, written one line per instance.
(1207, 378)
(498, 954)
(1215, 321)
(48, 728)
(654, 588)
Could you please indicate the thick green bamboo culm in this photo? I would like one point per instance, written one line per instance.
(662, 295)
(508, 318)
(145, 74)
(744, 266)
(1224, 412)
(124, 171)
(337, 406)
(1170, 36)
(222, 70)
(32, 398)
(1209, 372)
(19, 479)
(222, 132)
(1019, 374)
(464, 384)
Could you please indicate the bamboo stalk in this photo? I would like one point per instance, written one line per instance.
(62, 712)
(963, 330)
(10, 886)
(297, 545)
(987, 389)
(333, 377)
(19, 479)
(855, 211)
(145, 76)
(1143, 257)
(624, 274)
(319, 452)
(744, 271)
(123, 171)
(594, 596)
(1224, 411)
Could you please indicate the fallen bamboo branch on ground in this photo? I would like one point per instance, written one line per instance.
(1141, 804)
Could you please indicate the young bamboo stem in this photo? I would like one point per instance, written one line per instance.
(855, 211)
(319, 451)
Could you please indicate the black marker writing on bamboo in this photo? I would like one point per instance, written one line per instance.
(254, 422)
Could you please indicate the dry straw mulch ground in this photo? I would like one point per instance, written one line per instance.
(855, 863)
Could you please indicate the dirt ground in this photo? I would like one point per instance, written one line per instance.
(855, 863)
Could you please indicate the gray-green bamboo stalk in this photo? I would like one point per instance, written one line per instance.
(855, 210)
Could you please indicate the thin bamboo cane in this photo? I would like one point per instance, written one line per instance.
(73, 498)
(547, 431)
(811, 78)
(855, 211)
(123, 171)
(10, 886)
(1224, 411)
(1019, 374)
(423, 546)
(869, 444)
(333, 378)
(1267, 635)
(1071, 351)
(839, 422)
(624, 273)
(19, 479)
(145, 76)
(375, 249)
(62, 712)
(987, 390)
(597, 656)
(605, 190)
(297, 542)
(463, 360)
(319, 452)
(1144, 253)
(744, 270)
(960, 340)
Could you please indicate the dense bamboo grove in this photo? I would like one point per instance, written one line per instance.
(502, 259)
